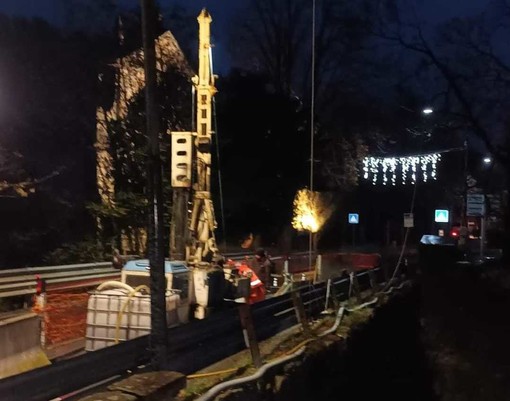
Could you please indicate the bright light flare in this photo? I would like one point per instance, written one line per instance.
(311, 210)
(427, 110)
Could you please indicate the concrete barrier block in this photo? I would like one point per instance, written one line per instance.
(152, 386)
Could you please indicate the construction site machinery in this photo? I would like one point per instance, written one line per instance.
(193, 219)
(196, 282)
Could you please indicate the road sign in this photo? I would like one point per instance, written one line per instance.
(475, 205)
(408, 220)
(442, 216)
(353, 218)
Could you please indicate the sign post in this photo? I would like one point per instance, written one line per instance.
(476, 208)
(353, 220)
(408, 220)
(482, 238)
(475, 205)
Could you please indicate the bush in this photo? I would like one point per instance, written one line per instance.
(86, 251)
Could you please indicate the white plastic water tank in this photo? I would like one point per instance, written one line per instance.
(103, 314)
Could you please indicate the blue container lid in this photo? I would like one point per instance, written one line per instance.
(142, 265)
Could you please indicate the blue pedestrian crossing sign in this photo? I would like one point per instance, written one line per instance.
(442, 216)
(353, 218)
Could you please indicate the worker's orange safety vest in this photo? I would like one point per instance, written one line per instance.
(257, 290)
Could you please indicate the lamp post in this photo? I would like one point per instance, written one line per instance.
(465, 189)
(487, 161)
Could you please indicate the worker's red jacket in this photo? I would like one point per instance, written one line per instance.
(257, 290)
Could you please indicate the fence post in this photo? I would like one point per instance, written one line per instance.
(249, 333)
(373, 281)
(300, 311)
(328, 292)
(40, 306)
(318, 269)
(354, 286)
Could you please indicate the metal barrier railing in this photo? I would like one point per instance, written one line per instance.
(23, 281)
(193, 346)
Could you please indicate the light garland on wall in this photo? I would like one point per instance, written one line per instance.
(384, 170)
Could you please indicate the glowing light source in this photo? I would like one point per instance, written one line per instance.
(412, 168)
(311, 210)
(427, 110)
(487, 160)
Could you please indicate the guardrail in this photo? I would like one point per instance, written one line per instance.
(191, 347)
(22, 281)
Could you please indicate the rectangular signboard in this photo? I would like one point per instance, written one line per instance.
(353, 218)
(408, 220)
(442, 216)
(475, 205)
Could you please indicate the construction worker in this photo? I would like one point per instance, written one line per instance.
(257, 290)
(266, 266)
(117, 260)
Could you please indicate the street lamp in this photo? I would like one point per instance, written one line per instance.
(487, 160)
(427, 110)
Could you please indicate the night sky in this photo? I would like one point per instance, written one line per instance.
(223, 11)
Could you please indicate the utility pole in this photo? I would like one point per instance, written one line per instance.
(465, 186)
(158, 336)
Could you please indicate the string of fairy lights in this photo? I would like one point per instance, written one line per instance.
(401, 170)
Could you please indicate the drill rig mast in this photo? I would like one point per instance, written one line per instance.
(192, 232)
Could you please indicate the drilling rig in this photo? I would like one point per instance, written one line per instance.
(118, 310)
(193, 221)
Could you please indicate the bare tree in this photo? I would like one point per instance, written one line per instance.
(468, 56)
(271, 37)
(469, 60)
(274, 37)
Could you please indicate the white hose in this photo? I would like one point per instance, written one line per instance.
(338, 320)
(117, 284)
(213, 392)
(395, 288)
(216, 390)
(362, 306)
(340, 314)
